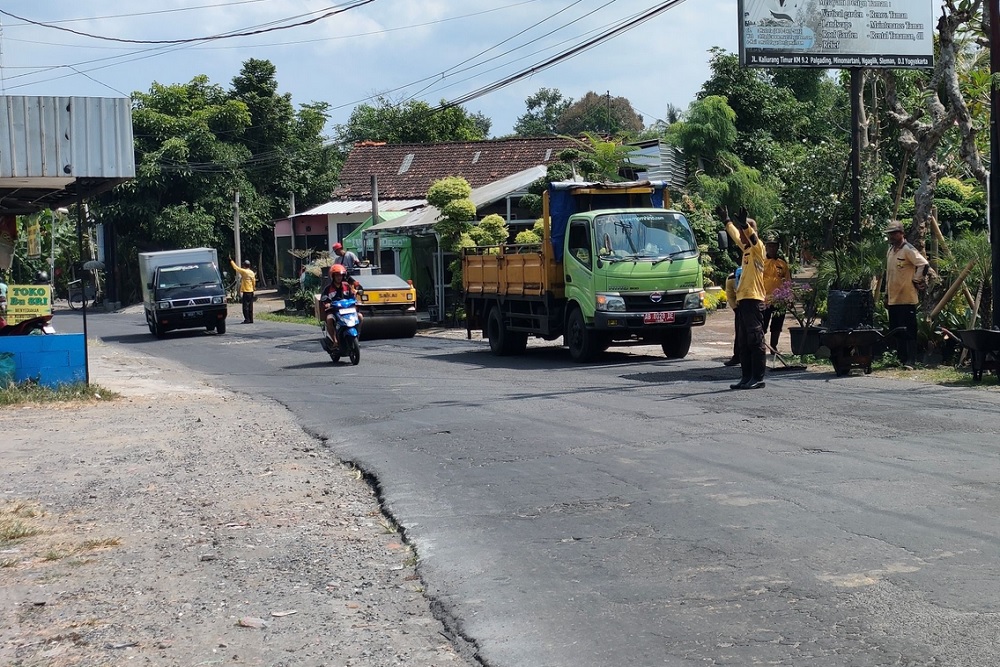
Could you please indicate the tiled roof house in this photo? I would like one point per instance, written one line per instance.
(404, 173)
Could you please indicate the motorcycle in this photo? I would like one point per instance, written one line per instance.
(346, 320)
(32, 325)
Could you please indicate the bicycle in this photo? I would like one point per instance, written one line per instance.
(80, 292)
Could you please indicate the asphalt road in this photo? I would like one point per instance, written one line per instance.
(637, 512)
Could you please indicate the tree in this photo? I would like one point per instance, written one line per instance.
(544, 109)
(196, 146)
(451, 196)
(410, 122)
(925, 119)
(601, 114)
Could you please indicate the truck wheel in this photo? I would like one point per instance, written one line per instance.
(582, 343)
(220, 327)
(498, 334)
(158, 330)
(677, 343)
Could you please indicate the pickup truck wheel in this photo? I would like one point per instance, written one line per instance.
(499, 337)
(220, 327)
(582, 343)
(677, 343)
(158, 330)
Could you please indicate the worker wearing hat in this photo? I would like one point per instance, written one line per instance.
(905, 276)
(346, 258)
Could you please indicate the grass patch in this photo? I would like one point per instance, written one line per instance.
(22, 393)
(90, 545)
(8, 562)
(54, 555)
(12, 530)
(291, 319)
(15, 521)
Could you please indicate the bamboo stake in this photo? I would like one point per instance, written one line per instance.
(955, 286)
(944, 247)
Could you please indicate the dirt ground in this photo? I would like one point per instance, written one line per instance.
(184, 525)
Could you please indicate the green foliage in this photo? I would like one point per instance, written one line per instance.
(491, 230)
(716, 263)
(534, 235)
(960, 206)
(600, 114)
(451, 196)
(410, 122)
(544, 109)
(708, 129)
(447, 190)
(198, 144)
(852, 265)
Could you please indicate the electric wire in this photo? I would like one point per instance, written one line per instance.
(188, 40)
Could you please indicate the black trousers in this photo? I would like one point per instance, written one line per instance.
(904, 315)
(750, 338)
(248, 306)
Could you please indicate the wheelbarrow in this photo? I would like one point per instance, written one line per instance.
(984, 349)
(854, 348)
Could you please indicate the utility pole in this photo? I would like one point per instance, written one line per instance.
(609, 113)
(236, 228)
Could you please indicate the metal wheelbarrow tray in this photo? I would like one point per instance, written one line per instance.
(984, 345)
(853, 348)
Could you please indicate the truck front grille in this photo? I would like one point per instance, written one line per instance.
(642, 302)
(190, 303)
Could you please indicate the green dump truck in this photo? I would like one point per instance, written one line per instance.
(614, 267)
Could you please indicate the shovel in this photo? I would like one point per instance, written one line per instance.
(785, 366)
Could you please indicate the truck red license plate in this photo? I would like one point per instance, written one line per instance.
(664, 317)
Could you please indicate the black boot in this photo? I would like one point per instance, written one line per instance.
(731, 362)
(746, 370)
(759, 366)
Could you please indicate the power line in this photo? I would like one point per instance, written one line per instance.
(158, 11)
(189, 40)
(566, 55)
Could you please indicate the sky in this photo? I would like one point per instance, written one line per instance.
(353, 50)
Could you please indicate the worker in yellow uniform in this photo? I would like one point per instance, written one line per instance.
(749, 298)
(775, 273)
(905, 277)
(731, 302)
(248, 285)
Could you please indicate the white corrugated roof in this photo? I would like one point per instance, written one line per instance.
(487, 194)
(363, 206)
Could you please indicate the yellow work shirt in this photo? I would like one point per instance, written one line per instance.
(902, 267)
(775, 273)
(752, 277)
(731, 290)
(248, 279)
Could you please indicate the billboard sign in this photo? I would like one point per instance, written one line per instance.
(836, 34)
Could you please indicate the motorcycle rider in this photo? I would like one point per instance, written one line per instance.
(341, 287)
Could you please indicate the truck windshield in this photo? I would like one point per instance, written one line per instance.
(187, 275)
(645, 235)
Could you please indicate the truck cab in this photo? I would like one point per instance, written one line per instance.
(182, 289)
(632, 273)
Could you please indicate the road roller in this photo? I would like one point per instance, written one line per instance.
(389, 306)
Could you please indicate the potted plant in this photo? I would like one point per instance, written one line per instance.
(799, 299)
